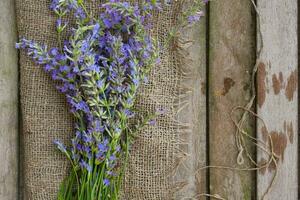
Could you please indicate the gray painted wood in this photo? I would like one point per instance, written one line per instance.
(231, 60)
(192, 54)
(278, 97)
(8, 103)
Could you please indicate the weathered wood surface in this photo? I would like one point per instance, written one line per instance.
(8, 103)
(192, 110)
(278, 97)
(231, 60)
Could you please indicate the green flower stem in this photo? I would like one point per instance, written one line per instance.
(84, 9)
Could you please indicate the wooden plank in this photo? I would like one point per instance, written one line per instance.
(8, 103)
(192, 53)
(278, 97)
(231, 60)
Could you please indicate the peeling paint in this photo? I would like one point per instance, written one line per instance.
(261, 76)
(228, 84)
(290, 132)
(292, 84)
(277, 83)
(279, 141)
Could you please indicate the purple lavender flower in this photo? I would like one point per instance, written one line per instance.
(85, 165)
(63, 68)
(152, 122)
(99, 127)
(54, 5)
(59, 23)
(82, 106)
(102, 147)
(161, 111)
(196, 17)
(100, 83)
(87, 138)
(79, 13)
(54, 52)
(106, 182)
(107, 23)
(48, 67)
(112, 158)
(60, 146)
(128, 113)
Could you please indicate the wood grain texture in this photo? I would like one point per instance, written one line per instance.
(192, 53)
(278, 96)
(8, 103)
(231, 60)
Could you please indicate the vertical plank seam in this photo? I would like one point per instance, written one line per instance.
(255, 100)
(207, 101)
(298, 38)
(19, 110)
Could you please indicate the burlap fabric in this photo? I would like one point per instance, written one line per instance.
(45, 115)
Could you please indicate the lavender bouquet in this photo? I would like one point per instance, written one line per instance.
(100, 69)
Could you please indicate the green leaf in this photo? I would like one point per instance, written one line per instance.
(97, 162)
(153, 1)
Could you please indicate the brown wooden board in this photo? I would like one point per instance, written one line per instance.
(8, 103)
(231, 60)
(278, 97)
(192, 111)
